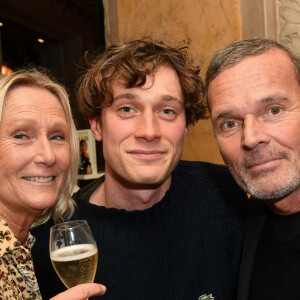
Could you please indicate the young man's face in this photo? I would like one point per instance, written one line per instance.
(143, 130)
(255, 110)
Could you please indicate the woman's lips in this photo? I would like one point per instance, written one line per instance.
(39, 179)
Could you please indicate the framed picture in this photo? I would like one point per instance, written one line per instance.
(87, 167)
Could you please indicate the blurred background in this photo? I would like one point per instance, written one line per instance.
(55, 34)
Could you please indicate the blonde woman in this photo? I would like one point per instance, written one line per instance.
(38, 167)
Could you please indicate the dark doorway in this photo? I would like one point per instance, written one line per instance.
(52, 34)
(67, 28)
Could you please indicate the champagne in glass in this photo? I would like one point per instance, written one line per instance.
(73, 252)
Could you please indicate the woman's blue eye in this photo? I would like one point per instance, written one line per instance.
(57, 137)
(19, 136)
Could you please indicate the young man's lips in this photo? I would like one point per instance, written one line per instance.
(148, 154)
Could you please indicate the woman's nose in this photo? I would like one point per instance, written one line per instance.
(44, 152)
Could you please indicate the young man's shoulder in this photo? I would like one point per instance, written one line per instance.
(206, 176)
(210, 185)
(86, 191)
(204, 169)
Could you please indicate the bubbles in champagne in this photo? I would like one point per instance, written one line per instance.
(75, 264)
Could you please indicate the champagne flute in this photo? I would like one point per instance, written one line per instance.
(73, 252)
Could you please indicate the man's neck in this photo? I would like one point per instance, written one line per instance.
(113, 194)
(287, 205)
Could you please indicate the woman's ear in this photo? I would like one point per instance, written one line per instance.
(96, 128)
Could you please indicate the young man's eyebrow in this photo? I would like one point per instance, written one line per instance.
(129, 96)
(170, 98)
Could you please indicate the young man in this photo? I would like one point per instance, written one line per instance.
(253, 94)
(165, 229)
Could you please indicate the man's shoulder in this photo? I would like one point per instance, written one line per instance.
(200, 165)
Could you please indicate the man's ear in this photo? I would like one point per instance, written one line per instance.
(96, 128)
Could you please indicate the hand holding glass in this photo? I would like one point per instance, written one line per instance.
(73, 252)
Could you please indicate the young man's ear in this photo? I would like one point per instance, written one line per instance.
(96, 128)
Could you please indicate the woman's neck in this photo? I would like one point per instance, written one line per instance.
(19, 223)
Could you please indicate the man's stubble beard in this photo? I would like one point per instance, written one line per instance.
(276, 188)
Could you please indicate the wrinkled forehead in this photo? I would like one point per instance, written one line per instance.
(252, 69)
(4, 97)
(15, 87)
(252, 80)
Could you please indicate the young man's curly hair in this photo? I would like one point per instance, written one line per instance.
(129, 64)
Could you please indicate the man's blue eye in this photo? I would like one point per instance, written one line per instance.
(126, 109)
(167, 111)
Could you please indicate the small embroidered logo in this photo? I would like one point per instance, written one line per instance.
(206, 297)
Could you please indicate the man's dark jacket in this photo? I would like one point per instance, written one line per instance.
(255, 221)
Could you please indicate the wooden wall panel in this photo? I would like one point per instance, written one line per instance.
(207, 25)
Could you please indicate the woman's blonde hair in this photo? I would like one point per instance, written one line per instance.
(64, 207)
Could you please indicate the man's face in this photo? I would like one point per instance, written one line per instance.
(143, 130)
(255, 110)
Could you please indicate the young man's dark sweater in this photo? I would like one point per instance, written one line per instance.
(185, 246)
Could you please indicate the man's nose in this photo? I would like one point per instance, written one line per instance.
(254, 132)
(148, 127)
(45, 152)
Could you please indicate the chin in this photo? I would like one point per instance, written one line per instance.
(143, 181)
(43, 205)
(154, 181)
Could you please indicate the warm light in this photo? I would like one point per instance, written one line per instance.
(41, 41)
(1, 24)
(6, 70)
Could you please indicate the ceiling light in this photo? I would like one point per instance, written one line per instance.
(6, 70)
(1, 24)
(41, 41)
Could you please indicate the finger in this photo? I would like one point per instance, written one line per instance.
(81, 292)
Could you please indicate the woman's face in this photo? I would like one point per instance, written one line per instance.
(34, 151)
